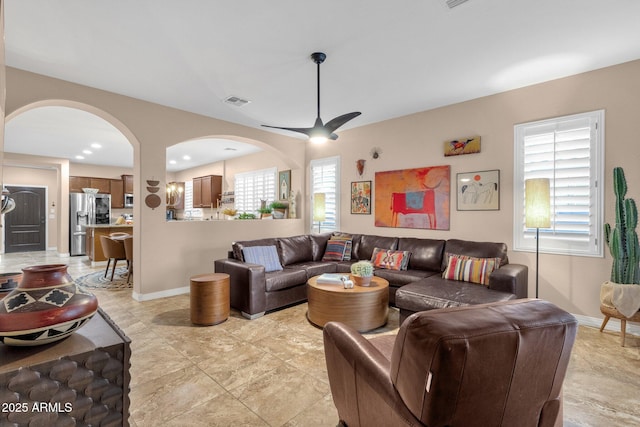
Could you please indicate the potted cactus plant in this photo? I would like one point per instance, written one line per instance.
(625, 251)
(361, 273)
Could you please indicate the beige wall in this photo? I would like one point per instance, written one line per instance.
(411, 141)
(166, 254)
(417, 140)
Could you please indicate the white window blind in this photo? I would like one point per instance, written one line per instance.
(325, 178)
(569, 151)
(189, 210)
(253, 187)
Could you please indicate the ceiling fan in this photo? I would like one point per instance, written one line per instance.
(321, 132)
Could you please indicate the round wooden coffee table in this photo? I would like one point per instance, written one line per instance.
(362, 307)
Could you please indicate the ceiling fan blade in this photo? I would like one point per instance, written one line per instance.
(334, 124)
(305, 131)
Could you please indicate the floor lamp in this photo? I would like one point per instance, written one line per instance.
(537, 207)
(319, 210)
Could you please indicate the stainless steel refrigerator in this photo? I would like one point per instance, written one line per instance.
(86, 209)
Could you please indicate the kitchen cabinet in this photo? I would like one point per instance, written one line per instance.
(128, 184)
(207, 190)
(102, 184)
(77, 183)
(117, 194)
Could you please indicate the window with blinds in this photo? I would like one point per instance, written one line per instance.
(325, 180)
(189, 210)
(569, 151)
(252, 187)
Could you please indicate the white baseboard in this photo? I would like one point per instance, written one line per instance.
(162, 294)
(613, 325)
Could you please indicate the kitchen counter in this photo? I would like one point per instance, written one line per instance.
(93, 245)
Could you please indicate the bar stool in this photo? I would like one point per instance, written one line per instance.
(112, 250)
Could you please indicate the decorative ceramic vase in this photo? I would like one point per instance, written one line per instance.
(361, 280)
(8, 282)
(45, 307)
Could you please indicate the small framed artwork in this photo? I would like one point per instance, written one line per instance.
(284, 184)
(478, 191)
(361, 197)
(456, 147)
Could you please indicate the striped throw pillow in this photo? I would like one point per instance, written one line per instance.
(335, 250)
(392, 260)
(470, 269)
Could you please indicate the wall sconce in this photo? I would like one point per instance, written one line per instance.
(537, 210)
(319, 209)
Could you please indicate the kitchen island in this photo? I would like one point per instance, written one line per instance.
(93, 245)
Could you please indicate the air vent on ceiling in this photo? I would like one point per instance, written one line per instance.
(454, 3)
(236, 101)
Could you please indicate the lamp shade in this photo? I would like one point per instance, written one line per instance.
(319, 207)
(537, 203)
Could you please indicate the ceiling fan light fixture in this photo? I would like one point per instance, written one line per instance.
(319, 136)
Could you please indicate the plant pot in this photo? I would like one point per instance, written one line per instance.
(8, 282)
(361, 280)
(45, 307)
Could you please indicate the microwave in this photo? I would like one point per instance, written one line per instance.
(128, 200)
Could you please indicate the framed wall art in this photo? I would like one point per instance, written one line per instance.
(456, 147)
(413, 198)
(361, 197)
(284, 184)
(478, 191)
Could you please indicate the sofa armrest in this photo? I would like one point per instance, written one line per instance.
(513, 278)
(359, 376)
(247, 285)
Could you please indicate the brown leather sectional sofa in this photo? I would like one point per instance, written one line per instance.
(420, 287)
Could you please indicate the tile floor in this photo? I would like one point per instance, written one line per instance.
(271, 371)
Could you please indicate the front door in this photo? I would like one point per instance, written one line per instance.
(24, 227)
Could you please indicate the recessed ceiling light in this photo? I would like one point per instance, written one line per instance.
(186, 157)
(95, 145)
(80, 157)
(87, 151)
(172, 162)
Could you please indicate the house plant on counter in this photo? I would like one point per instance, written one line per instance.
(361, 273)
(279, 209)
(620, 297)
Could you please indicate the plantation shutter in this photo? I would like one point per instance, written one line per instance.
(567, 151)
(253, 187)
(325, 178)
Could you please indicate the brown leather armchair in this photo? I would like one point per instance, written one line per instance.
(498, 364)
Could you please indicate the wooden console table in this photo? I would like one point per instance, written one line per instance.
(80, 380)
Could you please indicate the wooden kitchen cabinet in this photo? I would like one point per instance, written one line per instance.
(102, 184)
(128, 184)
(117, 194)
(207, 190)
(77, 183)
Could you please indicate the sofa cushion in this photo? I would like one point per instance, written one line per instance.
(295, 249)
(335, 250)
(364, 249)
(314, 268)
(287, 278)
(238, 246)
(263, 255)
(391, 260)
(426, 254)
(319, 244)
(475, 249)
(470, 269)
(436, 292)
(403, 277)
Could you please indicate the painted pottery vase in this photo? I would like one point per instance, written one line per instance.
(8, 282)
(45, 307)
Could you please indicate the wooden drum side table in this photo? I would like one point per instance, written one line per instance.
(209, 298)
(362, 307)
